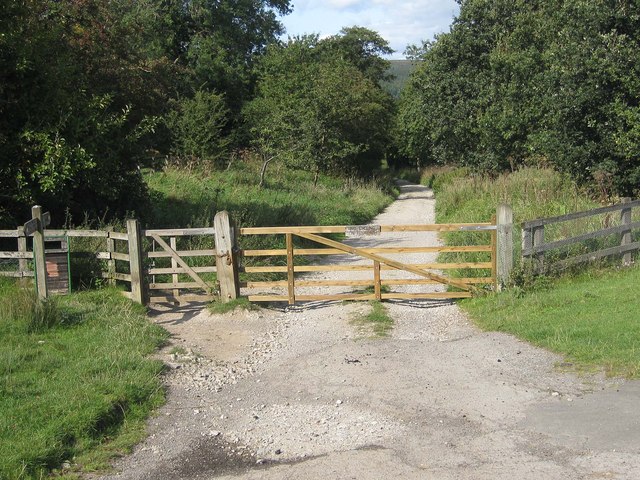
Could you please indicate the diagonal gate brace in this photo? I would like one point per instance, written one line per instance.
(392, 263)
(181, 262)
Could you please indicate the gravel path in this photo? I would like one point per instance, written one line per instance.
(305, 394)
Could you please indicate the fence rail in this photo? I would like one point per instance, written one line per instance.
(376, 264)
(196, 264)
(534, 244)
(25, 256)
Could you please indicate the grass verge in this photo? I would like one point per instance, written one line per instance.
(592, 319)
(75, 381)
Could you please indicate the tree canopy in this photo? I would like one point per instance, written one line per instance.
(515, 83)
(92, 90)
(320, 110)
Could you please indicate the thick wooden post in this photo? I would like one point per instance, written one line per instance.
(505, 244)
(538, 239)
(138, 287)
(291, 278)
(226, 260)
(625, 219)
(39, 259)
(23, 265)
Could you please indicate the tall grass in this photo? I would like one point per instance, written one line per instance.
(189, 198)
(24, 312)
(531, 192)
(75, 380)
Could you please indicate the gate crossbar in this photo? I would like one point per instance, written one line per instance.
(392, 263)
(181, 262)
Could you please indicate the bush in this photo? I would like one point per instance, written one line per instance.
(198, 126)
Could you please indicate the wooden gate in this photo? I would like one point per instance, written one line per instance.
(193, 264)
(181, 264)
(378, 262)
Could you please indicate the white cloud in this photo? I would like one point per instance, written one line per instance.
(401, 23)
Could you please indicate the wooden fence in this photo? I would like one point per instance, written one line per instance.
(212, 269)
(535, 247)
(167, 283)
(499, 248)
(379, 262)
(31, 261)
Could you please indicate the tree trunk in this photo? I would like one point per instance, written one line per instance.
(315, 178)
(263, 170)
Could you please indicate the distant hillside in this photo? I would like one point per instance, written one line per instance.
(401, 69)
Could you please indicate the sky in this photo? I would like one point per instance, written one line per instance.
(400, 22)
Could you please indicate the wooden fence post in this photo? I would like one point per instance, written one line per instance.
(22, 262)
(111, 263)
(625, 219)
(494, 254)
(527, 244)
(538, 239)
(226, 260)
(377, 284)
(39, 258)
(175, 278)
(138, 287)
(505, 244)
(291, 282)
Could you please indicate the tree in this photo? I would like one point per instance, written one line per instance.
(318, 111)
(85, 85)
(198, 126)
(226, 38)
(516, 83)
(362, 48)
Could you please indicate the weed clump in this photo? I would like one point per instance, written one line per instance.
(242, 303)
(21, 309)
(377, 319)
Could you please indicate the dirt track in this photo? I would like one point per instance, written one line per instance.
(305, 394)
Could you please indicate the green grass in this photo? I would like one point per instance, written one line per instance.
(183, 198)
(242, 303)
(377, 319)
(191, 199)
(75, 381)
(531, 192)
(592, 319)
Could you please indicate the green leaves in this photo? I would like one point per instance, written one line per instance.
(198, 127)
(56, 162)
(517, 83)
(85, 85)
(318, 110)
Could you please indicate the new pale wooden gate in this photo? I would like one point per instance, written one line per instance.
(464, 287)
